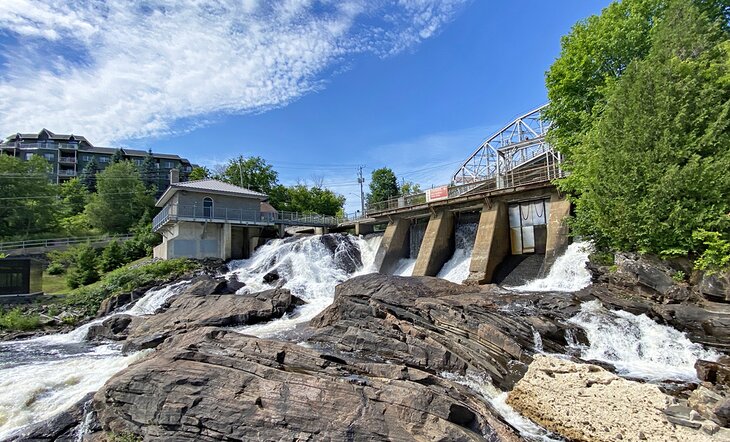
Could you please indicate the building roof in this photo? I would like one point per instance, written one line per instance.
(209, 186)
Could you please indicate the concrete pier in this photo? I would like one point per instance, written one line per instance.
(557, 231)
(492, 243)
(437, 246)
(393, 246)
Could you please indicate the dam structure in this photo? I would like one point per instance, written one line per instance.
(505, 186)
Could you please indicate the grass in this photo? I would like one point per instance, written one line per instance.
(55, 284)
(17, 320)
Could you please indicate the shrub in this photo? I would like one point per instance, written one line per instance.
(56, 268)
(112, 257)
(83, 271)
(715, 254)
(17, 320)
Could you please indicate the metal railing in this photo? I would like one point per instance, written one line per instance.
(513, 178)
(49, 145)
(57, 242)
(175, 212)
(67, 160)
(64, 172)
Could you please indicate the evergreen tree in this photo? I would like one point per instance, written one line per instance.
(117, 157)
(148, 171)
(112, 257)
(199, 173)
(88, 174)
(83, 270)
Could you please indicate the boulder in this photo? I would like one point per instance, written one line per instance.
(710, 404)
(345, 253)
(114, 328)
(584, 402)
(215, 384)
(650, 276)
(63, 427)
(715, 286)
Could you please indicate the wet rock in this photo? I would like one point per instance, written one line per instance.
(345, 252)
(215, 384)
(583, 402)
(198, 306)
(113, 328)
(715, 372)
(271, 277)
(651, 276)
(115, 302)
(62, 427)
(715, 286)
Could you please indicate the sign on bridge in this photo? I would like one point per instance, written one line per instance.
(437, 193)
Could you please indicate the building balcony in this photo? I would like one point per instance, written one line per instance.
(67, 160)
(66, 173)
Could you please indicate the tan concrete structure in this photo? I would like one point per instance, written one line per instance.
(492, 243)
(437, 246)
(394, 245)
(557, 230)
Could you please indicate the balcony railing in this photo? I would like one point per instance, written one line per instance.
(67, 160)
(50, 145)
(197, 213)
(514, 178)
(64, 172)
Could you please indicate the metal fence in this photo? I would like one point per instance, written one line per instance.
(513, 178)
(14, 246)
(174, 212)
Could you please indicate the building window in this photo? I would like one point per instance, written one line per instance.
(49, 156)
(137, 161)
(86, 157)
(208, 207)
(104, 159)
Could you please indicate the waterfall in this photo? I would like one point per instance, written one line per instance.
(309, 269)
(456, 269)
(154, 299)
(637, 346)
(568, 273)
(405, 267)
(482, 385)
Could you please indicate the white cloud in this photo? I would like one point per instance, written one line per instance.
(148, 64)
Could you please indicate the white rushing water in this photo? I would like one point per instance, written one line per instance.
(568, 273)
(482, 385)
(308, 269)
(43, 376)
(638, 346)
(456, 269)
(405, 267)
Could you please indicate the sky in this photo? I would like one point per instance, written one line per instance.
(317, 88)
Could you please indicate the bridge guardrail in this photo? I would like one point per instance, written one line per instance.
(513, 178)
(57, 242)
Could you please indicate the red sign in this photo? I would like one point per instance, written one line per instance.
(438, 193)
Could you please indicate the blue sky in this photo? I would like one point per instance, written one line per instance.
(315, 87)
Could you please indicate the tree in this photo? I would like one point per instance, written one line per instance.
(148, 171)
(409, 188)
(83, 270)
(73, 196)
(28, 198)
(383, 186)
(199, 173)
(88, 175)
(112, 257)
(117, 157)
(121, 199)
(314, 200)
(253, 173)
(652, 169)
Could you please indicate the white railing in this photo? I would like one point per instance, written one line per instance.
(57, 242)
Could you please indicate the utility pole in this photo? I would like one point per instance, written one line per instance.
(361, 181)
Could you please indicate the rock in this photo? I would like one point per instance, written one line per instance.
(229, 286)
(114, 328)
(271, 277)
(215, 384)
(62, 427)
(710, 404)
(583, 402)
(197, 307)
(714, 372)
(113, 303)
(651, 276)
(715, 286)
(345, 253)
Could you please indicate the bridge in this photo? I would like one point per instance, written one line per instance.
(505, 186)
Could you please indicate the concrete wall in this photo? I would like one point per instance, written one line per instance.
(437, 245)
(188, 198)
(557, 231)
(492, 243)
(193, 240)
(393, 246)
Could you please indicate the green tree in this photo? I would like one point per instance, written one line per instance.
(148, 171)
(117, 157)
(88, 174)
(306, 199)
(28, 199)
(199, 173)
(112, 256)
(121, 199)
(383, 186)
(253, 173)
(73, 196)
(652, 170)
(409, 188)
(83, 269)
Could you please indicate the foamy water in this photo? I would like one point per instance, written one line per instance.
(456, 269)
(308, 269)
(405, 267)
(568, 273)
(638, 346)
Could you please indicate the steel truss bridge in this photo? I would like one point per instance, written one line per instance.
(514, 156)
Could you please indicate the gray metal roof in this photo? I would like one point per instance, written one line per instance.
(209, 186)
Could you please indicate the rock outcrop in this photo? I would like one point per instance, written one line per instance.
(584, 402)
(215, 384)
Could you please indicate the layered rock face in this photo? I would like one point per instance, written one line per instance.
(584, 402)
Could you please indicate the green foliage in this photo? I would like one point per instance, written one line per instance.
(304, 199)
(112, 257)
(55, 268)
(126, 279)
(253, 173)
(73, 196)
(652, 167)
(143, 242)
(199, 173)
(679, 276)
(83, 270)
(117, 157)
(121, 199)
(88, 175)
(409, 188)
(383, 186)
(33, 207)
(715, 250)
(148, 171)
(17, 320)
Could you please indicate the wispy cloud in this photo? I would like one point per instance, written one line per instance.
(120, 69)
